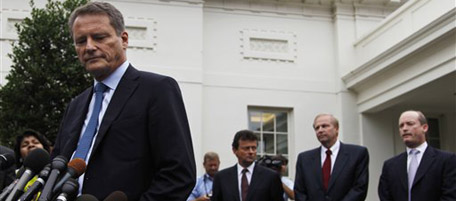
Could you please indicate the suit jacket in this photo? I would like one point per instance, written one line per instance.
(265, 185)
(349, 178)
(435, 179)
(143, 146)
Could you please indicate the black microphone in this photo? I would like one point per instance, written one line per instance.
(86, 197)
(116, 196)
(6, 161)
(9, 188)
(76, 168)
(33, 163)
(36, 186)
(58, 165)
(69, 190)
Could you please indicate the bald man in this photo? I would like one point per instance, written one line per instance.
(422, 173)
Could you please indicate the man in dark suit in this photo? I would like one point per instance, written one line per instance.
(334, 171)
(246, 181)
(422, 173)
(141, 144)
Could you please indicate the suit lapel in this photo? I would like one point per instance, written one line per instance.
(256, 177)
(341, 160)
(316, 165)
(76, 126)
(126, 87)
(233, 179)
(402, 170)
(426, 162)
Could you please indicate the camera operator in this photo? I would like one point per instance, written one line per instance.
(287, 183)
(279, 164)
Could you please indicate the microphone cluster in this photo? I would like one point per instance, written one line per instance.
(54, 180)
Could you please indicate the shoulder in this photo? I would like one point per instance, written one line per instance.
(443, 155)
(353, 147)
(395, 159)
(226, 171)
(309, 153)
(145, 76)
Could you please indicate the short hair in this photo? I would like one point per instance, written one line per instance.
(247, 135)
(99, 8)
(211, 156)
(334, 120)
(421, 118)
(27, 133)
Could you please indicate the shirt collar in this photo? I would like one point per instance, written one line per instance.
(207, 176)
(422, 147)
(334, 148)
(250, 168)
(113, 80)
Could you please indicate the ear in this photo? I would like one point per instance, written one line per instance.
(425, 127)
(124, 37)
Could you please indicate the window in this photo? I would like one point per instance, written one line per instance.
(271, 128)
(433, 135)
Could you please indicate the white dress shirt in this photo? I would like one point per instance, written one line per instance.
(334, 151)
(419, 156)
(247, 174)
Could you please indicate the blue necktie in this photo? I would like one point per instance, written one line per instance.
(412, 170)
(86, 141)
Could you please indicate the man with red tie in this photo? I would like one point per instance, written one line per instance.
(246, 181)
(333, 171)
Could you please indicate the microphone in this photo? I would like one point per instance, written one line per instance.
(6, 161)
(33, 162)
(69, 190)
(58, 165)
(76, 168)
(9, 188)
(86, 197)
(116, 196)
(36, 186)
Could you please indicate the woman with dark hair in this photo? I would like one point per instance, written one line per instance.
(28, 141)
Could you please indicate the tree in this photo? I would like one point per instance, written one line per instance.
(45, 74)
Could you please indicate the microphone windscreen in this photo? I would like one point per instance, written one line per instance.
(116, 196)
(7, 160)
(86, 197)
(36, 159)
(78, 165)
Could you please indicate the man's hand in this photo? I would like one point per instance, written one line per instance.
(203, 198)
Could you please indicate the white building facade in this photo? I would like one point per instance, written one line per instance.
(273, 65)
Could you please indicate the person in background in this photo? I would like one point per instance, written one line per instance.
(421, 173)
(203, 187)
(287, 183)
(28, 141)
(333, 171)
(247, 181)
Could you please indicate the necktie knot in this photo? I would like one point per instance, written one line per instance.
(328, 152)
(100, 87)
(414, 152)
(245, 170)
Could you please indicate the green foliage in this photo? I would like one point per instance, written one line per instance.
(45, 74)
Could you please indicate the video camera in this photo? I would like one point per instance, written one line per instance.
(270, 162)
